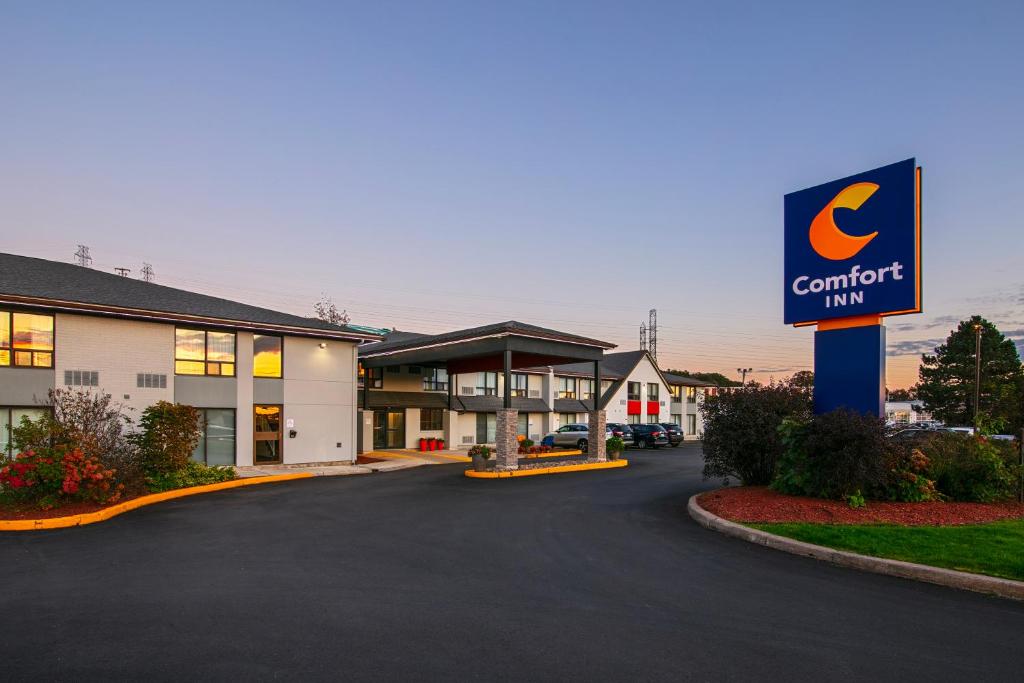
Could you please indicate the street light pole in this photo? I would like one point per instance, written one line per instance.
(744, 371)
(977, 373)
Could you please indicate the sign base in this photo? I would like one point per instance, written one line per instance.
(849, 369)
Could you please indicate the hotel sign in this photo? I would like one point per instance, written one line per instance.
(853, 246)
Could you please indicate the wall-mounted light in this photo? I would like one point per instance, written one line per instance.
(323, 345)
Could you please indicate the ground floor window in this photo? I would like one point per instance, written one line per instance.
(11, 418)
(652, 419)
(566, 418)
(677, 419)
(217, 444)
(431, 419)
(523, 425)
(691, 424)
(633, 419)
(486, 427)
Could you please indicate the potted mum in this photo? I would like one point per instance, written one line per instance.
(480, 454)
(614, 447)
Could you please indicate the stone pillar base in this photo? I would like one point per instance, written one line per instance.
(597, 451)
(507, 455)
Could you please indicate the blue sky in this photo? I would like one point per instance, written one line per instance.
(432, 165)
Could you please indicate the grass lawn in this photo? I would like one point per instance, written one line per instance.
(996, 549)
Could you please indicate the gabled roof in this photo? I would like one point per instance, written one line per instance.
(53, 285)
(684, 381)
(613, 366)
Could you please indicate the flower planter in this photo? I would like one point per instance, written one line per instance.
(614, 455)
(423, 444)
(479, 464)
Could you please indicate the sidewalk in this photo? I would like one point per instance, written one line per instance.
(389, 461)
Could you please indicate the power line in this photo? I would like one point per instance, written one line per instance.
(82, 256)
(147, 272)
(123, 272)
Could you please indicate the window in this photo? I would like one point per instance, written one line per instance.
(676, 391)
(486, 385)
(431, 419)
(523, 425)
(691, 394)
(11, 418)
(566, 418)
(414, 370)
(202, 352)
(81, 378)
(435, 379)
(26, 340)
(633, 389)
(266, 355)
(633, 419)
(652, 419)
(150, 380)
(376, 377)
(652, 391)
(677, 419)
(217, 444)
(394, 369)
(586, 389)
(520, 385)
(486, 426)
(566, 387)
(691, 424)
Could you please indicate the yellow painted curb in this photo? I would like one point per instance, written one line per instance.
(457, 458)
(141, 501)
(556, 469)
(554, 454)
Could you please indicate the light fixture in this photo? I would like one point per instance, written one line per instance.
(323, 345)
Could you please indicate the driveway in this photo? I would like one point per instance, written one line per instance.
(425, 575)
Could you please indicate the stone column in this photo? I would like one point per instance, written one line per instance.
(507, 456)
(596, 449)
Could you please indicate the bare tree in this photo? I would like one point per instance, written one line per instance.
(327, 310)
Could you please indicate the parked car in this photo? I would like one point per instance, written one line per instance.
(650, 436)
(675, 434)
(575, 435)
(912, 435)
(623, 431)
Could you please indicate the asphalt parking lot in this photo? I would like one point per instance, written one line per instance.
(425, 574)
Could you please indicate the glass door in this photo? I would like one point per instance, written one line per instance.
(267, 435)
(396, 429)
(380, 420)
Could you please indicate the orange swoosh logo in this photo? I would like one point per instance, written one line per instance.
(827, 239)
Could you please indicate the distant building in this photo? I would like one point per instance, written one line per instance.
(906, 412)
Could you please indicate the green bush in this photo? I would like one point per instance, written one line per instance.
(192, 474)
(614, 445)
(741, 431)
(169, 433)
(971, 468)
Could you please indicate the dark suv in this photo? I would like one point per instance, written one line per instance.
(675, 434)
(623, 431)
(649, 436)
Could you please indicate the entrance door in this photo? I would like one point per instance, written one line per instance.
(267, 435)
(389, 429)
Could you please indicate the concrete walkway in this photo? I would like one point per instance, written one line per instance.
(399, 459)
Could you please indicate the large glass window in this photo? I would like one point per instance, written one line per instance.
(520, 385)
(566, 418)
(586, 389)
(691, 424)
(633, 391)
(486, 427)
(652, 391)
(202, 352)
(523, 425)
(487, 384)
(376, 377)
(435, 379)
(691, 394)
(652, 419)
(633, 419)
(676, 391)
(217, 443)
(11, 418)
(566, 387)
(266, 355)
(431, 419)
(26, 340)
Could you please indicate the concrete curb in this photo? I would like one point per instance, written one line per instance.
(1004, 588)
(555, 469)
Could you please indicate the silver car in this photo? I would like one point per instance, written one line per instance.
(574, 435)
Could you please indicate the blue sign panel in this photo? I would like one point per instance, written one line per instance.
(853, 246)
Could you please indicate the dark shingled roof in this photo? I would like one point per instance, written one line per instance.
(684, 381)
(613, 365)
(412, 340)
(490, 404)
(404, 399)
(40, 279)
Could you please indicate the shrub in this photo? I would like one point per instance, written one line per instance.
(480, 451)
(169, 434)
(908, 476)
(55, 475)
(615, 445)
(525, 445)
(835, 455)
(192, 474)
(741, 431)
(971, 468)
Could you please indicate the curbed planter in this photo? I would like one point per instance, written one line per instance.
(980, 583)
(479, 464)
(614, 455)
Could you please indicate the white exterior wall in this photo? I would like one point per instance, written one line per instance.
(118, 350)
(318, 401)
(644, 372)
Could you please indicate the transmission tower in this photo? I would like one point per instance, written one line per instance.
(123, 272)
(147, 272)
(643, 337)
(82, 257)
(652, 331)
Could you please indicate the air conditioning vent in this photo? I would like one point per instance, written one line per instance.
(81, 378)
(151, 380)
(534, 393)
(534, 437)
(662, 403)
(468, 439)
(622, 402)
(468, 391)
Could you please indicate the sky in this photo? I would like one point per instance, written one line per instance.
(438, 165)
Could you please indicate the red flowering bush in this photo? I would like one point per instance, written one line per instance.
(50, 477)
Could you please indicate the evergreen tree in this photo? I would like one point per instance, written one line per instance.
(947, 377)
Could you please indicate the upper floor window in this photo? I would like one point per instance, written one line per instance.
(520, 385)
(266, 355)
(376, 377)
(487, 384)
(652, 391)
(26, 340)
(435, 379)
(204, 352)
(691, 394)
(676, 391)
(633, 389)
(586, 389)
(566, 387)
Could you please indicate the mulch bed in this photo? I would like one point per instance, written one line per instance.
(30, 511)
(760, 504)
(364, 460)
